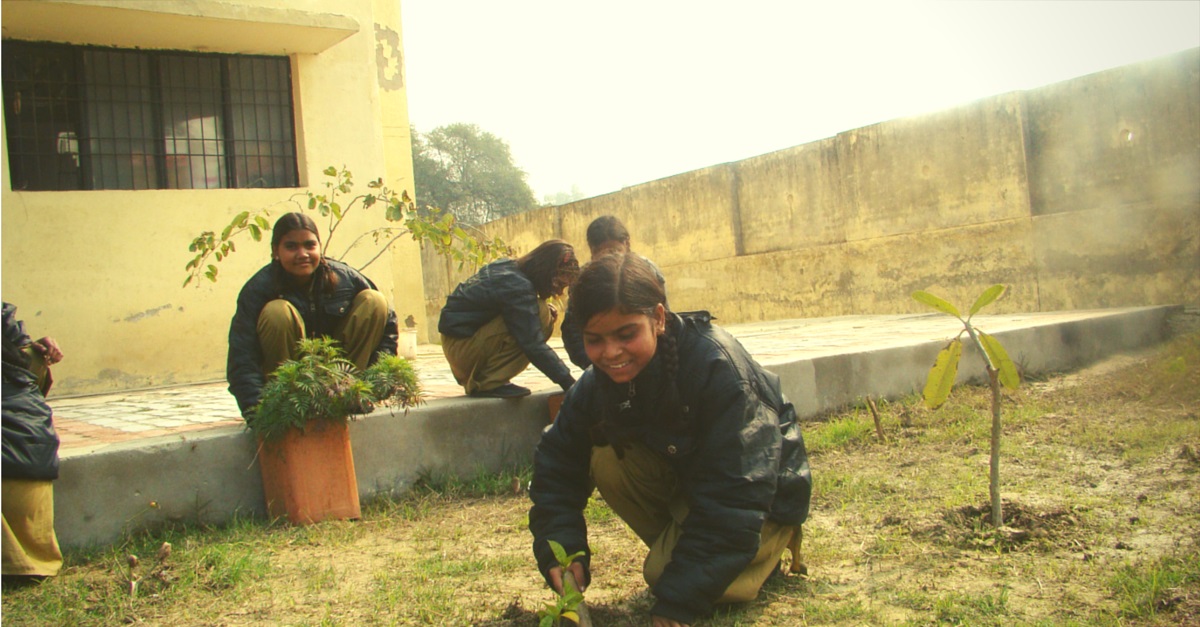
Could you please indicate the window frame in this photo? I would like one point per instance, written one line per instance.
(275, 103)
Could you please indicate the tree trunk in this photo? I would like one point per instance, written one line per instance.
(994, 474)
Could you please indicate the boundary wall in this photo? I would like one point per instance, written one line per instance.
(1081, 194)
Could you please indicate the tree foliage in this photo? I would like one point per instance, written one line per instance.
(469, 173)
(431, 227)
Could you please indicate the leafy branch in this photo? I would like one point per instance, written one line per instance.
(432, 227)
(323, 385)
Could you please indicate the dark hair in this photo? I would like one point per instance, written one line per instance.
(297, 221)
(294, 221)
(628, 283)
(623, 281)
(606, 229)
(551, 267)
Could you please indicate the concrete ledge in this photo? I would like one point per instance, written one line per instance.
(210, 476)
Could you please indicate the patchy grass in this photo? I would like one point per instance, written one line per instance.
(1100, 477)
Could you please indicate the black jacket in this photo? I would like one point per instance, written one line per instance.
(739, 456)
(30, 443)
(572, 332)
(500, 289)
(321, 313)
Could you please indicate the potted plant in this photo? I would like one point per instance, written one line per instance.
(302, 421)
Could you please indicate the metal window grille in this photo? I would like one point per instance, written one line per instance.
(81, 117)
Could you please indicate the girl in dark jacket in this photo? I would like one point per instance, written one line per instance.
(497, 322)
(302, 294)
(688, 439)
(30, 546)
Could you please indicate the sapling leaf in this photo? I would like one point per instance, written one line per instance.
(986, 298)
(942, 374)
(571, 616)
(926, 298)
(560, 554)
(1009, 377)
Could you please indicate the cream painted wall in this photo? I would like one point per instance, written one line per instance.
(101, 271)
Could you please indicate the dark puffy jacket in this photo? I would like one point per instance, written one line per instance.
(500, 289)
(572, 332)
(740, 460)
(321, 312)
(30, 443)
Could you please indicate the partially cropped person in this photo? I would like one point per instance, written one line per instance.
(498, 321)
(302, 294)
(605, 235)
(30, 454)
(688, 439)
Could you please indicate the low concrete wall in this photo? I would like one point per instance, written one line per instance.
(212, 476)
(1082, 194)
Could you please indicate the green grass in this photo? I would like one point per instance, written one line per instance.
(1145, 590)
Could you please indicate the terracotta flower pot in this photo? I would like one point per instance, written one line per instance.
(555, 401)
(308, 475)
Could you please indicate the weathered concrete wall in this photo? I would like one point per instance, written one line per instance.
(1082, 194)
(1114, 170)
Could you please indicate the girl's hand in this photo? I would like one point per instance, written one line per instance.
(48, 349)
(556, 577)
(660, 621)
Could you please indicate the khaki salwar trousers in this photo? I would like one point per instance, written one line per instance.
(29, 545)
(281, 327)
(491, 357)
(643, 490)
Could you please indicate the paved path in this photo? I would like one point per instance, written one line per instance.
(86, 423)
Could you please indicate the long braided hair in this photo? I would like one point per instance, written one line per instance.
(628, 283)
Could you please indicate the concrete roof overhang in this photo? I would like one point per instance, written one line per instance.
(199, 25)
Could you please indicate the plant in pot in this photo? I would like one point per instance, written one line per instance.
(302, 426)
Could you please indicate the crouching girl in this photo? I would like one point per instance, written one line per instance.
(688, 439)
(302, 294)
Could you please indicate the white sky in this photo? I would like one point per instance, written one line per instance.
(609, 94)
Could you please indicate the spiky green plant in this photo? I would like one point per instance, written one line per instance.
(1000, 370)
(323, 385)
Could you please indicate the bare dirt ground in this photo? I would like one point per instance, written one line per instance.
(1100, 479)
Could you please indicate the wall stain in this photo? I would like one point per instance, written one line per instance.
(137, 317)
(389, 60)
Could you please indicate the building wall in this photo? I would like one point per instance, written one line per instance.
(101, 271)
(1083, 194)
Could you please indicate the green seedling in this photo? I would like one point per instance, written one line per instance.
(1000, 371)
(569, 606)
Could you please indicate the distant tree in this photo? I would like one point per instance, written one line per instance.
(468, 172)
(562, 198)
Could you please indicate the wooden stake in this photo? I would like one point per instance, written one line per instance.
(875, 413)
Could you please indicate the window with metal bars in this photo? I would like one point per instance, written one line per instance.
(81, 117)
